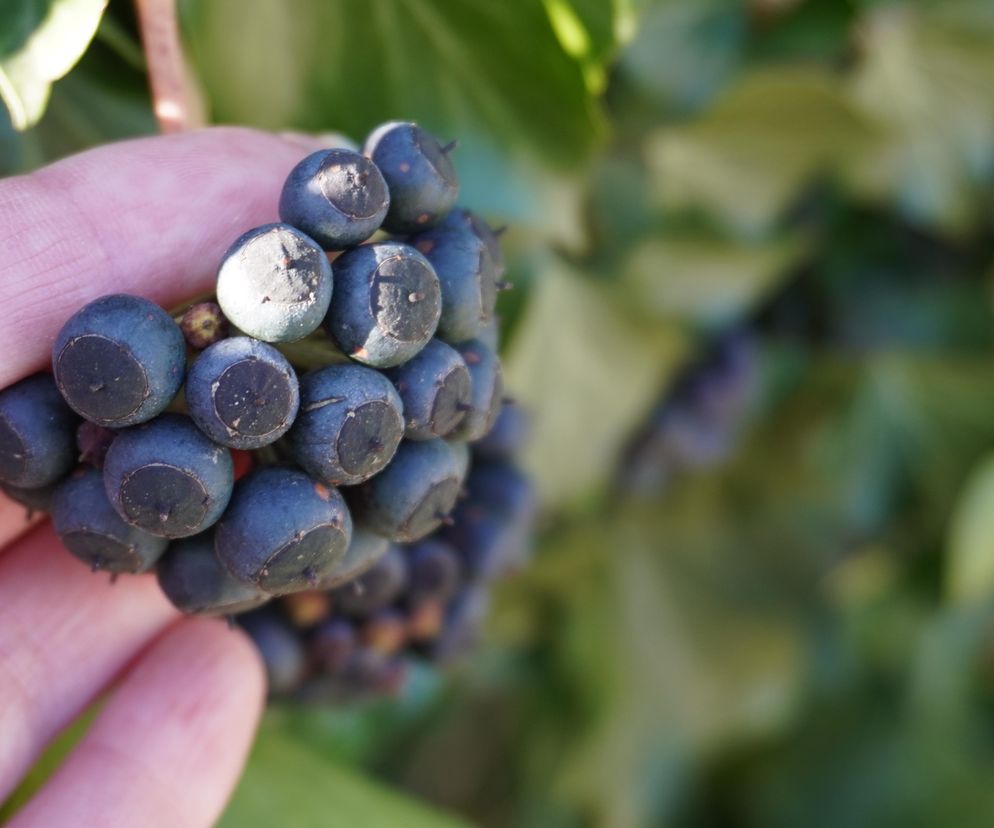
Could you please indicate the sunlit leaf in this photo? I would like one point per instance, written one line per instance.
(746, 159)
(41, 40)
(459, 68)
(970, 556)
(704, 280)
(927, 80)
(587, 372)
(286, 783)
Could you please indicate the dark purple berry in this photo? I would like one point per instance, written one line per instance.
(92, 530)
(434, 387)
(422, 181)
(37, 433)
(242, 393)
(349, 426)
(386, 305)
(337, 197)
(167, 478)
(283, 531)
(274, 283)
(119, 360)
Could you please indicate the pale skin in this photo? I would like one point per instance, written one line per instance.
(181, 696)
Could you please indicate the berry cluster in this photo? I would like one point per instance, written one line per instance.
(424, 599)
(349, 478)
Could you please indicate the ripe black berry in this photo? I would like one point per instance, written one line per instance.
(93, 531)
(468, 278)
(283, 531)
(37, 433)
(167, 478)
(422, 181)
(274, 283)
(487, 389)
(386, 305)
(435, 389)
(349, 426)
(194, 581)
(414, 495)
(119, 360)
(336, 196)
(242, 393)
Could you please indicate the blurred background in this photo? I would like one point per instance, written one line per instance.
(752, 245)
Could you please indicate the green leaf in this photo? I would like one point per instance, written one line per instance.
(704, 280)
(683, 53)
(970, 557)
(926, 80)
(746, 159)
(459, 68)
(286, 783)
(587, 372)
(41, 42)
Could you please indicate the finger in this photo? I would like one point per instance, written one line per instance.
(64, 634)
(15, 520)
(170, 743)
(151, 216)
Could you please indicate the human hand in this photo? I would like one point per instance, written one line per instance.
(182, 695)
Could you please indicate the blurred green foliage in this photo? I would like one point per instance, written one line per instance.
(803, 636)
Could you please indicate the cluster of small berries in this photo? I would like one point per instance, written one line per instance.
(135, 441)
(696, 423)
(422, 601)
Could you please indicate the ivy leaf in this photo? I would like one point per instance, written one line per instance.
(926, 81)
(458, 68)
(745, 160)
(588, 372)
(704, 280)
(286, 783)
(970, 558)
(40, 42)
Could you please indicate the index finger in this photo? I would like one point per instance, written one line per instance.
(151, 216)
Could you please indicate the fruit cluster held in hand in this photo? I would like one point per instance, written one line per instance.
(349, 492)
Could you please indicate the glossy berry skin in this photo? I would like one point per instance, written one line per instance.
(422, 180)
(434, 571)
(337, 197)
(414, 495)
(242, 393)
(167, 478)
(350, 423)
(487, 390)
(93, 531)
(365, 549)
(507, 437)
(283, 531)
(434, 387)
(274, 283)
(282, 652)
(194, 581)
(119, 360)
(376, 588)
(387, 303)
(467, 221)
(37, 433)
(468, 278)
